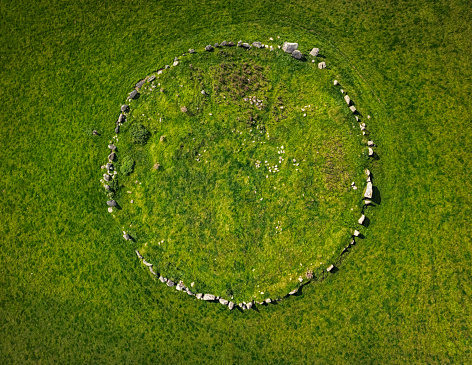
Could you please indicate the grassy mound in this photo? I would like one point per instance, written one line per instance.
(243, 163)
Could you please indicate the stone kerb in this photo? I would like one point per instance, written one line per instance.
(111, 173)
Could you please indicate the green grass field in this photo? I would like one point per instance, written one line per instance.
(72, 290)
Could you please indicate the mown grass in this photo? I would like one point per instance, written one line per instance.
(71, 292)
(253, 194)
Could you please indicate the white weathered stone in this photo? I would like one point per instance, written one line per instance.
(362, 126)
(138, 254)
(353, 108)
(347, 99)
(199, 296)
(148, 264)
(356, 233)
(175, 63)
(329, 269)
(230, 305)
(294, 291)
(170, 283)
(370, 143)
(368, 191)
(335, 82)
(322, 65)
(209, 297)
(152, 271)
(367, 202)
(110, 210)
(223, 301)
(361, 219)
(367, 172)
(249, 305)
(162, 279)
(314, 52)
(371, 151)
(289, 47)
(179, 287)
(268, 300)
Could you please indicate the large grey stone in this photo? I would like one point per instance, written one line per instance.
(314, 52)
(127, 237)
(223, 301)
(224, 43)
(170, 283)
(139, 255)
(124, 108)
(111, 203)
(140, 84)
(268, 300)
(199, 296)
(132, 94)
(322, 65)
(297, 54)
(117, 129)
(249, 305)
(106, 177)
(107, 188)
(112, 156)
(257, 44)
(209, 48)
(289, 47)
(230, 44)
(189, 292)
(179, 287)
(191, 50)
(294, 291)
(109, 166)
(151, 78)
(209, 297)
(162, 279)
(152, 271)
(112, 147)
(353, 108)
(246, 45)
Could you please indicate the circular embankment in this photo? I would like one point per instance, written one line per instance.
(251, 170)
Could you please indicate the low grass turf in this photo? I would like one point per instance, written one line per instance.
(253, 192)
(71, 292)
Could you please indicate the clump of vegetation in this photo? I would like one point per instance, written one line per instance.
(139, 134)
(127, 165)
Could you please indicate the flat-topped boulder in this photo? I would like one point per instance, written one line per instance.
(209, 48)
(353, 108)
(140, 84)
(347, 99)
(112, 156)
(230, 305)
(132, 94)
(112, 147)
(361, 219)
(314, 52)
(170, 283)
(322, 65)
(223, 301)
(297, 54)
(257, 44)
(289, 47)
(209, 297)
(124, 108)
(111, 203)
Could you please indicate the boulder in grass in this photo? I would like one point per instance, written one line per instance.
(240, 43)
(246, 45)
(249, 305)
(175, 63)
(209, 297)
(353, 108)
(335, 82)
(111, 203)
(294, 291)
(152, 271)
(224, 43)
(95, 133)
(329, 269)
(117, 129)
(127, 237)
(138, 254)
(132, 94)
(356, 233)
(370, 143)
(367, 202)
(199, 296)
(289, 47)
(367, 172)
(162, 279)
(191, 51)
(151, 78)
(257, 44)
(140, 84)
(314, 52)
(322, 65)
(107, 188)
(361, 219)
(189, 292)
(369, 190)
(347, 99)
(268, 300)
(230, 305)
(112, 156)
(223, 301)
(179, 287)
(170, 283)
(209, 48)
(112, 147)
(297, 54)
(230, 44)
(371, 151)
(124, 108)
(106, 177)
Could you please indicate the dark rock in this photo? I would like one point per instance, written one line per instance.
(112, 147)
(209, 48)
(140, 83)
(106, 177)
(112, 156)
(112, 203)
(297, 54)
(289, 47)
(117, 129)
(109, 166)
(132, 94)
(257, 44)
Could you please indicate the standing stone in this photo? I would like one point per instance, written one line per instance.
(199, 296)
(314, 52)
(117, 129)
(95, 133)
(230, 305)
(371, 151)
(240, 43)
(107, 188)
(361, 219)
(132, 94)
(175, 63)
(356, 233)
(111, 203)
(335, 82)
(230, 44)
(111, 157)
(148, 264)
(347, 99)
(294, 291)
(289, 47)
(170, 283)
(297, 54)
(209, 48)
(162, 279)
(191, 51)
(257, 44)
(138, 254)
(329, 269)
(151, 78)
(223, 301)
(224, 44)
(109, 167)
(322, 65)
(106, 177)
(112, 147)
(189, 292)
(124, 108)
(140, 83)
(369, 191)
(249, 305)
(179, 287)
(246, 45)
(209, 297)
(353, 108)
(268, 300)
(370, 143)
(127, 237)
(152, 271)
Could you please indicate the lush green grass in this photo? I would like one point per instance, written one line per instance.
(251, 197)
(70, 291)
